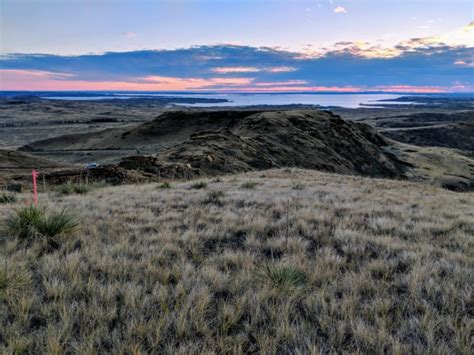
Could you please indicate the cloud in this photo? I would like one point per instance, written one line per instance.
(130, 34)
(411, 88)
(35, 74)
(465, 63)
(227, 70)
(302, 88)
(25, 80)
(281, 69)
(416, 65)
(340, 10)
(282, 83)
(469, 27)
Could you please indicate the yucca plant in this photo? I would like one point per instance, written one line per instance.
(55, 223)
(282, 278)
(21, 223)
(31, 223)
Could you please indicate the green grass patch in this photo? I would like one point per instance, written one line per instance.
(35, 223)
(70, 188)
(164, 185)
(282, 278)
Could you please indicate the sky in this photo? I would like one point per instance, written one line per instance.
(238, 45)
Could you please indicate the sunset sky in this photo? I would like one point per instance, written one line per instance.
(238, 45)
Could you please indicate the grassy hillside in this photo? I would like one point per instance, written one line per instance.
(12, 160)
(276, 261)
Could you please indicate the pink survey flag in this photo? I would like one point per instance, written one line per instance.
(35, 174)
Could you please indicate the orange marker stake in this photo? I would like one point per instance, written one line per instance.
(34, 174)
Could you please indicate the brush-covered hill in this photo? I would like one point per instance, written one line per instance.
(280, 261)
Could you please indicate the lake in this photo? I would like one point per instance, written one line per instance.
(341, 100)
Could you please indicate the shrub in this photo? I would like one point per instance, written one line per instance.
(7, 198)
(249, 185)
(199, 185)
(215, 198)
(165, 185)
(283, 279)
(69, 188)
(30, 223)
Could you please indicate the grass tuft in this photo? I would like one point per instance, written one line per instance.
(215, 198)
(199, 185)
(297, 186)
(282, 278)
(13, 282)
(7, 198)
(165, 185)
(70, 188)
(249, 185)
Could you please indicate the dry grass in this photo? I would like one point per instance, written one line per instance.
(7, 198)
(303, 262)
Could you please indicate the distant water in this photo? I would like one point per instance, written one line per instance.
(341, 100)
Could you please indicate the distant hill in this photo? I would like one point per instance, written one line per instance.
(459, 136)
(188, 144)
(14, 160)
(219, 142)
(261, 140)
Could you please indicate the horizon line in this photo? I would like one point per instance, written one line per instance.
(240, 92)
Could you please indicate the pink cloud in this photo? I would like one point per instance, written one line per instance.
(35, 80)
(410, 88)
(43, 80)
(465, 63)
(340, 10)
(130, 34)
(282, 83)
(285, 88)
